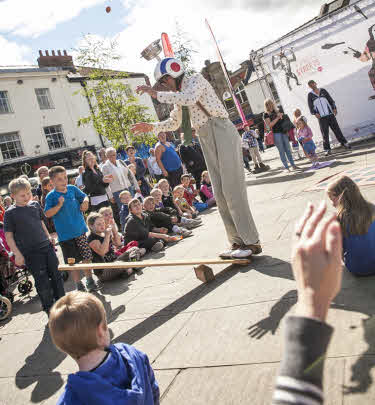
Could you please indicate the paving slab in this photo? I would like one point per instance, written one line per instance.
(247, 384)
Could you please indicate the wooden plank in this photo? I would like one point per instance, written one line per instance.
(150, 263)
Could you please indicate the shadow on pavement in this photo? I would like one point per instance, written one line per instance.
(170, 311)
(280, 179)
(40, 365)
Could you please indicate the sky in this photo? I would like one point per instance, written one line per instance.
(239, 26)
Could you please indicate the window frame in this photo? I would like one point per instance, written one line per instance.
(51, 106)
(19, 141)
(51, 142)
(9, 104)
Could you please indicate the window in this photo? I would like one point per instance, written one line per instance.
(5, 107)
(55, 137)
(10, 146)
(241, 94)
(44, 99)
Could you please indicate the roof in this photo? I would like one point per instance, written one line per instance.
(28, 69)
(85, 71)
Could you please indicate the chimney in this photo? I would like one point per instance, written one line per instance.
(64, 61)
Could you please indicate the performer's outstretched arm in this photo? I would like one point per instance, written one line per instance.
(170, 124)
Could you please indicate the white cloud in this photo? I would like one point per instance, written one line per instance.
(14, 54)
(31, 18)
(239, 26)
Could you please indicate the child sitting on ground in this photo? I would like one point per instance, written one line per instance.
(182, 204)
(305, 135)
(65, 204)
(156, 194)
(102, 241)
(206, 190)
(357, 219)
(108, 374)
(125, 198)
(161, 220)
(190, 193)
(29, 240)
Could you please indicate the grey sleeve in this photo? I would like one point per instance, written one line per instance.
(301, 373)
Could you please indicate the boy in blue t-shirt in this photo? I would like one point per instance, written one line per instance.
(29, 240)
(65, 204)
(108, 374)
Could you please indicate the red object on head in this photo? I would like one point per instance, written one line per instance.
(108, 9)
(175, 67)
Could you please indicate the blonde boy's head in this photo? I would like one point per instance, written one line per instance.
(178, 191)
(74, 321)
(19, 184)
(163, 185)
(125, 197)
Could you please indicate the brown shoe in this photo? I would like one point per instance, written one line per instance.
(256, 248)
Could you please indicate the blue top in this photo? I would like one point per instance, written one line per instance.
(359, 252)
(125, 377)
(69, 221)
(26, 225)
(170, 159)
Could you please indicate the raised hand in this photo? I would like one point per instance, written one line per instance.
(142, 127)
(316, 261)
(61, 200)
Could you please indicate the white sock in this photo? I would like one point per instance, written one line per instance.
(176, 229)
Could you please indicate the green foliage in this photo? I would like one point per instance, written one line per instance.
(183, 49)
(114, 106)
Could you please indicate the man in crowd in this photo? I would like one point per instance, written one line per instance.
(322, 105)
(168, 160)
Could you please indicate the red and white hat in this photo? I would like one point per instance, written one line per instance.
(168, 66)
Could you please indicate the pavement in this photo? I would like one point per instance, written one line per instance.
(220, 342)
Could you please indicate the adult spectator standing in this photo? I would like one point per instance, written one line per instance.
(103, 157)
(197, 105)
(7, 202)
(123, 178)
(153, 167)
(42, 172)
(273, 119)
(324, 108)
(193, 161)
(168, 160)
(95, 183)
(140, 170)
(79, 181)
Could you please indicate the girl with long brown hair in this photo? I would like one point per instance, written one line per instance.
(356, 216)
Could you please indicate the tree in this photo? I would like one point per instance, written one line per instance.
(183, 49)
(114, 107)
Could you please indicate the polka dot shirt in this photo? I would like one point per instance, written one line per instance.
(194, 88)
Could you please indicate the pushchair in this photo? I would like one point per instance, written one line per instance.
(11, 276)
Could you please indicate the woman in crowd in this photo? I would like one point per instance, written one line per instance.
(140, 170)
(94, 181)
(42, 172)
(47, 186)
(102, 241)
(274, 120)
(153, 167)
(139, 228)
(123, 178)
(357, 219)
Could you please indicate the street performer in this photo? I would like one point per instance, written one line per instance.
(197, 105)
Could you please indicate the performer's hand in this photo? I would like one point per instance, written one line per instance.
(141, 127)
(317, 116)
(335, 111)
(146, 89)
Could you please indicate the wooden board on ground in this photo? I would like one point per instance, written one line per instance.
(202, 271)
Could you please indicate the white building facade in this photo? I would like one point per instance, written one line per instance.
(39, 111)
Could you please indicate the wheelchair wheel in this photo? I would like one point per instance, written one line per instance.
(25, 287)
(5, 308)
(65, 275)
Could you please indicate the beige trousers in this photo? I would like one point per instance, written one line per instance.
(255, 155)
(221, 145)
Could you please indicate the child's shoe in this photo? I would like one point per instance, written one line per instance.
(91, 285)
(183, 232)
(158, 246)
